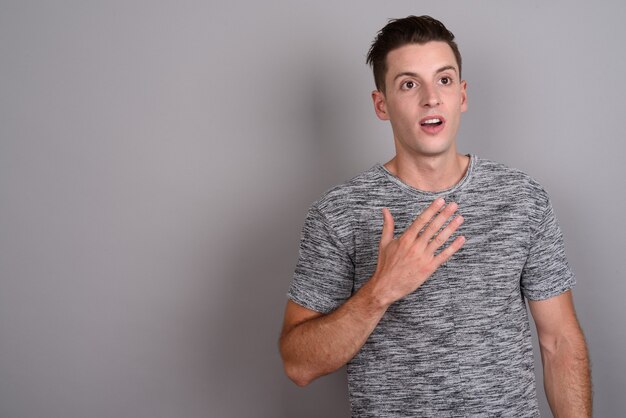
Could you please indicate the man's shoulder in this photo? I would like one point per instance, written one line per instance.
(487, 167)
(500, 175)
(359, 187)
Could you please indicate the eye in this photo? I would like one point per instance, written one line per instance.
(409, 84)
(445, 81)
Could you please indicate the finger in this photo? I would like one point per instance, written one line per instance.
(440, 239)
(435, 225)
(387, 235)
(449, 251)
(423, 218)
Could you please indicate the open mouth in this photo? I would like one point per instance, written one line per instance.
(431, 122)
(432, 125)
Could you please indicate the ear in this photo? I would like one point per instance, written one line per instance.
(463, 96)
(380, 106)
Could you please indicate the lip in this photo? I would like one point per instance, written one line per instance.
(432, 129)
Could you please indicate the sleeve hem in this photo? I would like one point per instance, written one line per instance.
(547, 294)
(323, 308)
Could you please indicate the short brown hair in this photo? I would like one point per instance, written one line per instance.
(400, 32)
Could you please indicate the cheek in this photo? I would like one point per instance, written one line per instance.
(461, 99)
(404, 108)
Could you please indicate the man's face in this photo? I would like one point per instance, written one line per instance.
(424, 98)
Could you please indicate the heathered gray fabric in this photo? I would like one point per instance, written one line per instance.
(459, 346)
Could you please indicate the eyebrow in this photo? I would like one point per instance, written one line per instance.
(411, 74)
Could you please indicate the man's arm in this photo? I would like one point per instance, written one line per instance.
(567, 379)
(313, 344)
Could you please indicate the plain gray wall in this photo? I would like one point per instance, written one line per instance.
(157, 160)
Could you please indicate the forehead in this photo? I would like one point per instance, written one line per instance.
(422, 59)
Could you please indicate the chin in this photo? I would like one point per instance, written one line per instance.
(433, 146)
(435, 151)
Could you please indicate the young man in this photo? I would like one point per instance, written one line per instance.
(415, 273)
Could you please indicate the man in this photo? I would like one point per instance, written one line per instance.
(415, 273)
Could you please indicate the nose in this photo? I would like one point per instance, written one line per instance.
(431, 97)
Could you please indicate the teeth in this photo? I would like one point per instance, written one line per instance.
(431, 121)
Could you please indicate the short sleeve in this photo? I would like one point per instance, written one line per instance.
(546, 272)
(324, 275)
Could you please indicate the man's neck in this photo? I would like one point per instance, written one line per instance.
(430, 174)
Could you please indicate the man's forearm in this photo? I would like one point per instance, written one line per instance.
(322, 345)
(567, 377)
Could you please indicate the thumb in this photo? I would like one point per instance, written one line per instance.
(387, 235)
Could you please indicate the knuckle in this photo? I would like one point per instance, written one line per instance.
(432, 233)
(419, 256)
(439, 240)
(419, 219)
(403, 240)
(415, 252)
(452, 206)
(446, 253)
(442, 258)
(453, 248)
(451, 227)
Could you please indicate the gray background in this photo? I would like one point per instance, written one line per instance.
(157, 160)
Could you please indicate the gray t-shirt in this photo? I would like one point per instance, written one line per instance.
(460, 345)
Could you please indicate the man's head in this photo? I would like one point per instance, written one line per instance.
(419, 86)
(400, 32)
